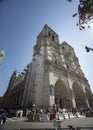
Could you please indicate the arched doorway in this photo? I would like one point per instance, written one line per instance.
(60, 93)
(89, 96)
(79, 96)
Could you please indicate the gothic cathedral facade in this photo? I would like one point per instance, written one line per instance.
(53, 77)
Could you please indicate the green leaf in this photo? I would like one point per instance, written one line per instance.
(74, 14)
(70, 0)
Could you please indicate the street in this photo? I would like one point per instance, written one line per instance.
(23, 124)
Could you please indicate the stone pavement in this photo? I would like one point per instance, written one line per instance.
(75, 122)
(17, 119)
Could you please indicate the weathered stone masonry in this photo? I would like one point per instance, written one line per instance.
(53, 77)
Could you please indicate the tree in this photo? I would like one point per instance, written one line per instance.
(85, 13)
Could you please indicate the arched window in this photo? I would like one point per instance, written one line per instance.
(55, 61)
(49, 34)
(63, 47)
(52, 37)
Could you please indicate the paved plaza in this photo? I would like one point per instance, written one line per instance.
(75, 122)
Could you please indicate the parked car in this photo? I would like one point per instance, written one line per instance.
(3, 116)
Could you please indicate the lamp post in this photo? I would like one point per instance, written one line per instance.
(88, 49)
(2, 53)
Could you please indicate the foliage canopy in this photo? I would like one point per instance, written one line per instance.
(85, 13)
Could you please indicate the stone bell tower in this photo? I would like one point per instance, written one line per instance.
(41, 69)
(55, 74)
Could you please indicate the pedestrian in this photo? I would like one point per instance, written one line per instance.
(18, 113)
(21, 113)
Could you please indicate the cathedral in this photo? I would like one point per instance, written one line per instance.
(53, 77)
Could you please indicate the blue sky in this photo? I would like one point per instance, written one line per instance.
(22, 20)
